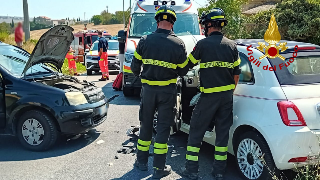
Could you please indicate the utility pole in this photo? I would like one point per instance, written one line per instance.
(26, 23)
(130, 6)
(84, 17)
(107, 9)
(124, 18)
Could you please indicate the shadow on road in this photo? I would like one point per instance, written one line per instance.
(12, 150)
(176, 158)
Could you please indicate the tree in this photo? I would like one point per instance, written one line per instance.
(12, 24)
(96, 19)
(34, 19)
(232, 8)
(298, 20)
(106, 17)
(119, 16)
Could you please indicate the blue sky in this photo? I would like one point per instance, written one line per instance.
(61, 9)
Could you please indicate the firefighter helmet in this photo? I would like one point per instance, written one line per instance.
(166, 13)
(216, 17)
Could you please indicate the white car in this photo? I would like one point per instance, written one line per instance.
(276, 113)
(91, 59)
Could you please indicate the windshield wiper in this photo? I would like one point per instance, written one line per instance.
(38, 73)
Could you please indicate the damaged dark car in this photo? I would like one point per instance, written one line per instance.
(38, 102)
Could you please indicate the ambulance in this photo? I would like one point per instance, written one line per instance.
(142, 23)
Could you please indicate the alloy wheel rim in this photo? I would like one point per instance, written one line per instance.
(32, 132)
(249, 156)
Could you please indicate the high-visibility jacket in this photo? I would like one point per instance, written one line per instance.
(70, 56)
(219, 62)
(163, 56)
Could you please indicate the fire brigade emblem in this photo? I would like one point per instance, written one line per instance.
(272, 37)
(156, 7)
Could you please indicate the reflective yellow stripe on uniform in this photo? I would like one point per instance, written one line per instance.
(184, 64)
(144, 143)
(237, 63)
(159, 83)
(217, 17)
(220, 158)
(192, 59)
(193, 149)
(138, 56)
(217, 89)
(143, 148)
(127, 71)
(216, 64)
(192, 158)
(160, 146)
(159, 63)
(221, 149)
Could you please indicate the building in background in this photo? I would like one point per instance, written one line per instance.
(43, 20)
(255, 6)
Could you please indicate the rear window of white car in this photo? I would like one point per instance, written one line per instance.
(304, 69)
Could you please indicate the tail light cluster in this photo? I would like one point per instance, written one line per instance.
(290, 114)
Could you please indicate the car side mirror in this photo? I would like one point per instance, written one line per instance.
(122, 36)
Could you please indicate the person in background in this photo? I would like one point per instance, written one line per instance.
(71, 62)
(103, 56)
(18, 35)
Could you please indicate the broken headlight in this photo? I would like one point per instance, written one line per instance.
(76, 98)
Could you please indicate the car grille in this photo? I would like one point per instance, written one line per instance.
(99, 119)
(112, 58)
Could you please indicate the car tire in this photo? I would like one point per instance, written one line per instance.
(128, 92)
(89, 72)
(39, 125)
(246, 161)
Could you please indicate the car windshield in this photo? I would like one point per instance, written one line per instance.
(94, 38)
(144, 24)
(113, 45)
(14, 60)
(304, 69)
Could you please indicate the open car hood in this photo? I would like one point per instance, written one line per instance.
(52, 47)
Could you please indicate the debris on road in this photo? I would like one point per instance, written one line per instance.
(116, 157)
(100, 142)
(134, 130)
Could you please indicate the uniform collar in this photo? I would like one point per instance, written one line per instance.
(164, 31)
(216, 33)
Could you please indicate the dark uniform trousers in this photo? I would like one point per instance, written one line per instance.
(162, 99)
(217, 107)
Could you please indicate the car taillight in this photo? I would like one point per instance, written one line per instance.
(298, 159)
(290, 114)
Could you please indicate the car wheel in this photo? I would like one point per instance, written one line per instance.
(128, 91)
(254, 157)
(89, 72)
(37, 131)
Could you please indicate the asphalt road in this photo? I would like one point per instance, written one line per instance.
(93, 156)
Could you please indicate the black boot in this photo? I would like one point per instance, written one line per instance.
(140, 166)
(160, 173)
(103, 79)
(188, 174)
(217, 176)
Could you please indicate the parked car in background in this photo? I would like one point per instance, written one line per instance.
(92, 62)
(276, 109)
(36, 102)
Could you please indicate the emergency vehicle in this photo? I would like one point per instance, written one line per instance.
(83, 41)
(142, 23)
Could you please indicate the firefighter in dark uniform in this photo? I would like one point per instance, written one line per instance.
(219, 74)
(164, 58)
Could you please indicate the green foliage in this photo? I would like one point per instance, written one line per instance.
(3, 36)
(12, 24)
(232, 8)
(37, 26)
(298, 20)
(96, 19)
(65, 68)
(108, 18)
(5, 27)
